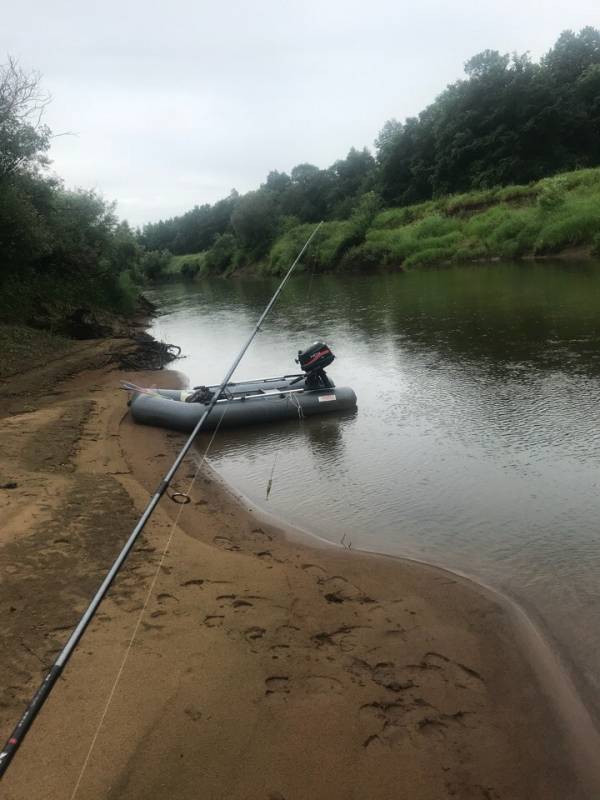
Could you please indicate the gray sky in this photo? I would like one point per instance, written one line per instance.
(175, 103)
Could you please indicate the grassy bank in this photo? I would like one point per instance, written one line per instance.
(187, 267)
(548, 217)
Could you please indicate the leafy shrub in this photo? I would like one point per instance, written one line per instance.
(469, 202)
(154, 264)
(553, 194)
(220, 255)
(365, 256)
(396, 217)
(189, 270)
(434, 226)
(470, 250)
(567, 232)
(429, 257)
(517, 194)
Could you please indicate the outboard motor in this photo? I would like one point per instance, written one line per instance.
(313, 361)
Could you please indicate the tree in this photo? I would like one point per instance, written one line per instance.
(573, 53)
(352, 176)
(487, 63)
(509, 121)
(387, 138)
(24, 139)
(254, 222)
(277, 182)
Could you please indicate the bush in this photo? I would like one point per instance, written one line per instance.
(429, 257)
(515, 234)
(189, 270)
(154, 264)
(365, 256)
(127, 291)
(434, 226)
(396, 217)
(470, 250)
(552, 195)
(573, 230)
(220, 255)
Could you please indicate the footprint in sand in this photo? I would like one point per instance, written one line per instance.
(258, 535)
(314, 570)
(277, 684)
(214, 621)
(193, 582)
(267, 555)
(235, 602)
(286, 634)
(163, 597)
(460, 674)
(242, 604)
(224, 543)
(254, 633)
(342, 637)
(385, 674)
(338, 589)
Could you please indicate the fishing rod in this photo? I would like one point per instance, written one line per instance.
(43, 691)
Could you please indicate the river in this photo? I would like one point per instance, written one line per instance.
(476, 443)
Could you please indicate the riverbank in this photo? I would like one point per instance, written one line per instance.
(556, 217)
(264, 666)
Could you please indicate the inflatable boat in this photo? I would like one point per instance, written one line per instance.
(247, 402)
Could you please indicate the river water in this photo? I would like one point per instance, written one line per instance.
(476, 443)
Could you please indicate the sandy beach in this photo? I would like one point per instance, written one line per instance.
(264, 666)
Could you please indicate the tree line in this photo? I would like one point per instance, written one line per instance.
(510, 120)
(58, 246)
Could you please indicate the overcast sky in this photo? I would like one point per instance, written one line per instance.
(173, 104)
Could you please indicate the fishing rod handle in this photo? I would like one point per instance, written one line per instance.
(30, 713)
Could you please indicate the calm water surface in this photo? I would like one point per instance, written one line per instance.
(476, 444)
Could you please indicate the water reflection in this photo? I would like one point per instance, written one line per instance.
(476, 443)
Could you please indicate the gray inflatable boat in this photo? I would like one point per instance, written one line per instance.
(245, 403)
(248, 402)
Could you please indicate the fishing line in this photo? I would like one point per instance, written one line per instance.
(41, 695)
(149, 594)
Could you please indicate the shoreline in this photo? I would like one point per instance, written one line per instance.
(389, 668)
(583, 254)
(556, 676)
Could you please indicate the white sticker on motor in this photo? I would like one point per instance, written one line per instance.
(323, 398)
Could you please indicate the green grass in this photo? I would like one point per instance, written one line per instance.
(322, 254)
(509, 222)
(187, 266)
(544, 218)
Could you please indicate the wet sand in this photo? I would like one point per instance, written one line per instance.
(263, 666)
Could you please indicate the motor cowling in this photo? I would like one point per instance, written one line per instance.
(313, 361)
(317, 356)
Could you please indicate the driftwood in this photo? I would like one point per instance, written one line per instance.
(147, 353)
